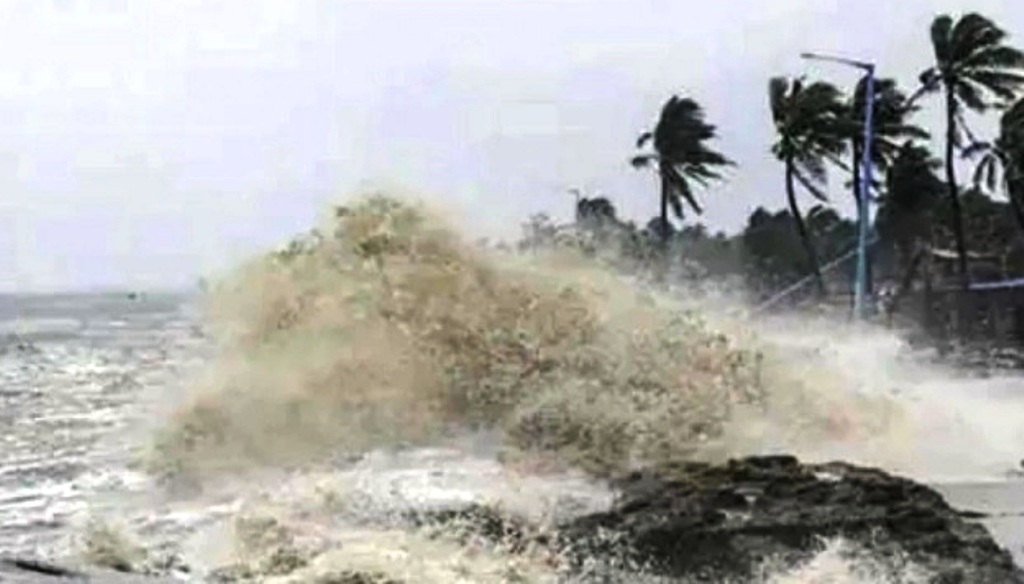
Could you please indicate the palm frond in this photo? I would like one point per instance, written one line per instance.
(814, 189)
(777, 89)
(975, 149)
(1012, 120)
(642, 160)
(679, 190)
(1003, 84)
(681, 152)
(812, 167)
(930, 81)
(908, 131)
(968, 94)
(814, 127)
(971, 33)
(994, 57)
(987, 172)
(941, 30)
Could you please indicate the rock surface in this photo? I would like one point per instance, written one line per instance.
(31, 571)
(713, 521)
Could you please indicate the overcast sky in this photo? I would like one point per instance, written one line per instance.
(144, 143)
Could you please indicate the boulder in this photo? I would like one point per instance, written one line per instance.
(714, 523)
(17, 570)
(703, 521)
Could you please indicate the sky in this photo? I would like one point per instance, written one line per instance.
(144, 144)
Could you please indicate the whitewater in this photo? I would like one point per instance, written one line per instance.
(282, 427)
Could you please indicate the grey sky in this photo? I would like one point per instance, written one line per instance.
(143, 143)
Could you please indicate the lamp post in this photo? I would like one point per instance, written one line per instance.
(860, 291)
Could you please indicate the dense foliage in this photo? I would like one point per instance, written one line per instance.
(922, 212)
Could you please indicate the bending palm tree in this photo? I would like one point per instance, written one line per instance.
(912, 194)
(972, 65)
(906, 214)
(680, 156)
(891, 128)
(811, 125)
(1001, 162)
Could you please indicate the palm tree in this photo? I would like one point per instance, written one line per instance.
(812, 126)
(890, 126)
(972, 66)
(1001, 162)
(912, 193)
(890, 129)
(907, 211)
(680, 155)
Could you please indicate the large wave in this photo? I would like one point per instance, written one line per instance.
(384, 330)
(384, 327)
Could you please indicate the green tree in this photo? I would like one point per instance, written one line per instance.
(812, 127)
(891, 127)
(974, 69)
(1000, 163)
(680, 155)
(773, 252)
(907, 209)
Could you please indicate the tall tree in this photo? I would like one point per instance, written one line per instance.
(907, 214)
(891, 126)
(913, 191)
(681, 156)
(1000, 163)
(811, 124)
(974, 69)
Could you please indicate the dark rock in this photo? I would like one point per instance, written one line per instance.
(513, 533)
(32, 571)
(355, 578)
(40, 567)
(723, 521)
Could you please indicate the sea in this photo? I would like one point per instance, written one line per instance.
(88, 380)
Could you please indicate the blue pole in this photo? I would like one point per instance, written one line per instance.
(860, 290)
(860, 299)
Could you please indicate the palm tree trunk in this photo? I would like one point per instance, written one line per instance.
(954, 192)
(913, 263)
(664, 209)
(1013, 193)
(857, 169)
(661, 253)
(856, 172)
(801, 228)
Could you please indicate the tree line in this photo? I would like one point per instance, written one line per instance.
(922, 204)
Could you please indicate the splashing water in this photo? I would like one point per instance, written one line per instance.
(391, 330)
(385, 332)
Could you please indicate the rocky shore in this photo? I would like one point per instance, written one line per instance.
(713, 523)
(31, 571)
(706, 522)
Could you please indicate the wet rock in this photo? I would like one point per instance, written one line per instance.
(32, 571)
(474, 520)
(355, 578)
(723, 521)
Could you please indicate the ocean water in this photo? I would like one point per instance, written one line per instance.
(284, 431)
(85, 378)
(88, 379)
(74, 373)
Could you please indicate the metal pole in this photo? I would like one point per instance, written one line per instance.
(861, 300)
(860, 290)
